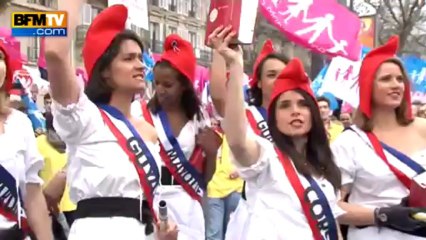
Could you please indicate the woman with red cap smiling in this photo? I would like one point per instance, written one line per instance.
(20, 163)
(188, 145)
(113, 169)
(376, 163)
(293, 181)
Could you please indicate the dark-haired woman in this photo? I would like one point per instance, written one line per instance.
(265, 71)
(22, 205)
(113, 168)
(381, 153)
(293, 181)
(188, 145)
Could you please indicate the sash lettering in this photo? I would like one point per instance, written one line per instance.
(317, 211)
(179, 166)
(137, 151)
(11, 200)
(257, 119)
(314, 203)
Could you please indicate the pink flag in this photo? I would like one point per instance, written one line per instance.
(323, 26)
(41, 62)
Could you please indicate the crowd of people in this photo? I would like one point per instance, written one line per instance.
(281, 165)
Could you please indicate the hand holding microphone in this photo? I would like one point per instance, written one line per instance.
(166, 230)
(162, 215)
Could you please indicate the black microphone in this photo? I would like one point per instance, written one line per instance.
(162, 215)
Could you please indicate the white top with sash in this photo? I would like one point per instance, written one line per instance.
(97, 166)
(185, 211)
(373, 183)
(19, 156)
(274, 208)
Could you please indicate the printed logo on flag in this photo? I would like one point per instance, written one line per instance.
(39, 24)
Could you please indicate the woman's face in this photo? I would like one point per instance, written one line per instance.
(389, 86)
(126, 72)
(2, 68)
(293, 115)
(271, 68)
(168, 89)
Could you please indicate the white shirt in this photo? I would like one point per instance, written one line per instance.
(275, 212)
(373, 183)
(97, 166)
(19, 154)
(186, 137)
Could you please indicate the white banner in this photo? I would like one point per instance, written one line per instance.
(341, 80)
(138, 12)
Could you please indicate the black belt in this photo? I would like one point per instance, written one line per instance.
(104, 207)
(167, 177)
(14, 233)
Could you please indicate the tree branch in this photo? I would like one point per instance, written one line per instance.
(413, 7)
(390, 9)
(418, 40)
(404, 17)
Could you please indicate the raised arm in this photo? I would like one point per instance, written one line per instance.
(245, 149)
(64, 86)
(217, 74)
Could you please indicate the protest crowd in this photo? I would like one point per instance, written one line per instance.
(102, 159)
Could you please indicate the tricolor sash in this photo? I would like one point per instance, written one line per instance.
(183, 170)
(379, 147)
(11, 202)
(322, 223)
(256, 117)
(137, 151)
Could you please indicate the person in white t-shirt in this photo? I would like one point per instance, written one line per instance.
(113, 168)
(380, 154)
(20, 163)
(292, 183)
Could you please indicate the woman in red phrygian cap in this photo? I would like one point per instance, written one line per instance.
(188, 144)
(114, 161)
(20, 163)
(292, 182)
(380, 154)
(266, 68)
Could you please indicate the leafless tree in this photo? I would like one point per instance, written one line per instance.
(406, 18)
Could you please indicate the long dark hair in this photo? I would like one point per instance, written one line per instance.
(255, 93)
(97, 89)
(190, 102)
(318, 153)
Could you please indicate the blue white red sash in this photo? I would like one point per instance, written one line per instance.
(379, 147)
(322, 223)
(256, 117)
(11, 202)
(137, 151)
(188, 173)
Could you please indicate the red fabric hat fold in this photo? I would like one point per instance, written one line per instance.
(101, 32)
(370, 65)
(292, 77)
(180, 54)
(11, 66)
(268, 48)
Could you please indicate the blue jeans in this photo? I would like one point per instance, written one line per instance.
(217, 212)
